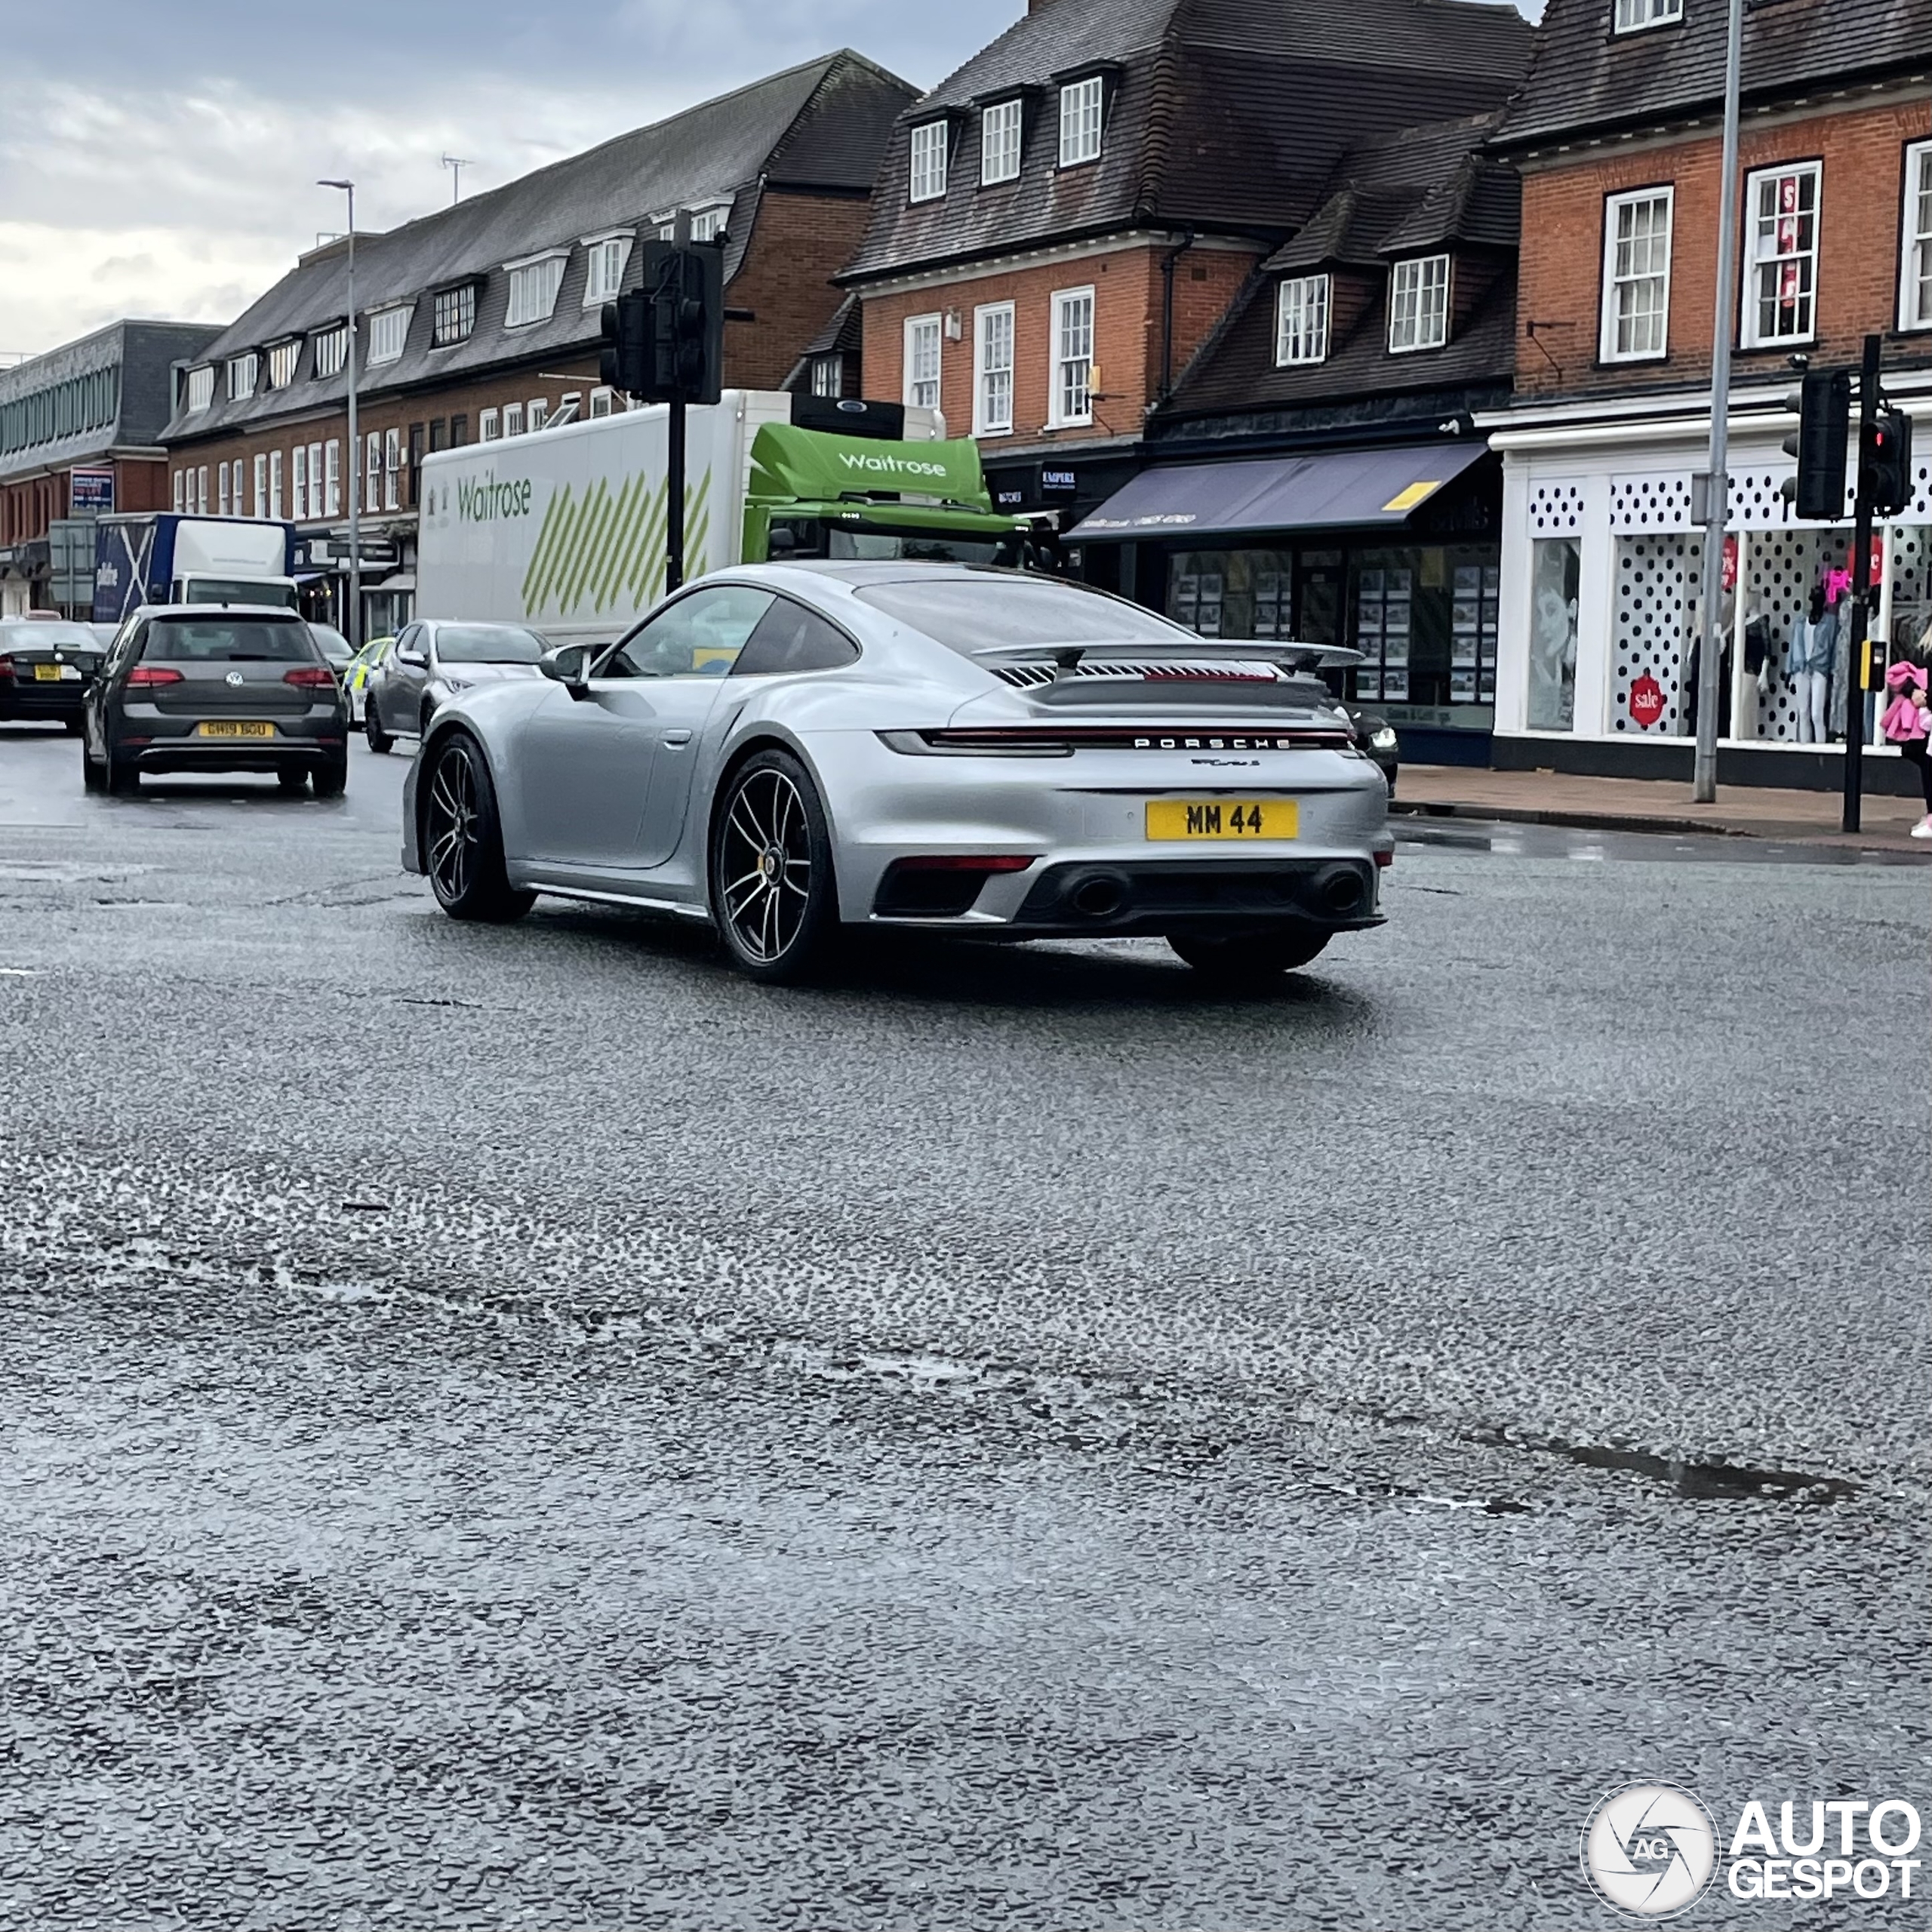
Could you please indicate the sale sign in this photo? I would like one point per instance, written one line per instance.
(1647, 700)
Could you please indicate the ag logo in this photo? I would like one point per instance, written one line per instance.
(1650, 1850)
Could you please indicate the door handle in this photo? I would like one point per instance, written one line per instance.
(673, 739)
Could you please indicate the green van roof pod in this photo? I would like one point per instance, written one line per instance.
(790, 464)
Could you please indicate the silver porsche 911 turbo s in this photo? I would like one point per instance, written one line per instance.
(789, 750)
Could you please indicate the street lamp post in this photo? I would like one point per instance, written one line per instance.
(354, 626)
(1717, 510)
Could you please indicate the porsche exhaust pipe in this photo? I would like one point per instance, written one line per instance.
(1099, 896)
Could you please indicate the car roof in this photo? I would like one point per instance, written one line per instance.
(219, 610)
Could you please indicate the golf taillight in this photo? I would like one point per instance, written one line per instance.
(145, 676)
(6, 667)
(311, 678)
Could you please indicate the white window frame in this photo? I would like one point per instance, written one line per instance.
(201, 389)
(1634, 16)
(1065, 303)
(180, 492)
(331, 350)
(298, 483)
(372, 470)
(392, 470)
(242, 370)
(1082, 109)
(535, 281)
(1301, 307)
(512, 419)
(926, 174)
(707, 224)
(489, 425)
(603, 403)
(607, 258)
(1002, 135)
(202, 490)
(1617, 277)
(258, 496)
(994, 329)
(274, 486)
(537, 412)
(283, 359)
(915, 384)
(332, 477)
(1916, 256)
(221, 477)
(1758, 258)
(460, 302)
(389, 333)
(1406, 335)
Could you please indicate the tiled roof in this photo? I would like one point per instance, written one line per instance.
(1223, 114)
(1587, 79)
(818, 125)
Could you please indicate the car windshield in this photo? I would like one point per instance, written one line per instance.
(46, 637)
(924, 546)
(228, 639)
(335, 646)
(975, 613)
(487, 643)
(223, 590)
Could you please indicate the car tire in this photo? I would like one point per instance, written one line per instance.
(123, 776)
(1250, 955)
(380, 741)
(292, 778)
(773, 895)
(94, 777)
(332, 777)
(462, 840)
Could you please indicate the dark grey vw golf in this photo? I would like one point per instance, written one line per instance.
(202, 687)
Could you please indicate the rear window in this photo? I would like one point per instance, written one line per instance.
(47, 637)
(228, 639)
(975, 613)
(487, 643)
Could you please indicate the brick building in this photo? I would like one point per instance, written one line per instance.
(1618, 137)
(80, 434)
(1315, 472)
(481, 321)
(1061, 224)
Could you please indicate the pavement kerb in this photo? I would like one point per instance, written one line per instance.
(1587, 821)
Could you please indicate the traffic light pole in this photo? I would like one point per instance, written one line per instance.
(1861, 593)
(674, 508)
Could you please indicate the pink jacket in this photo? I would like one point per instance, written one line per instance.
(1906, 718)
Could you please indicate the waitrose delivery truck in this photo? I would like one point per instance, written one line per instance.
(564, 530)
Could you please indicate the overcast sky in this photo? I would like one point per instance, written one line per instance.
(158, 157)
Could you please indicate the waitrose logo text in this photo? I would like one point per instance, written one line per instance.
(485, 501)
(890, 466)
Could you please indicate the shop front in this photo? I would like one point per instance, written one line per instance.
(1392, 552)
(1603, 568)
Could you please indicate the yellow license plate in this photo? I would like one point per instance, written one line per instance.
(46, 674)
(1223, 818)
(227, 728)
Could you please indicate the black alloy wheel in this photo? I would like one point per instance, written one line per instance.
(1251, 956)
(463, 845)
(772, 894)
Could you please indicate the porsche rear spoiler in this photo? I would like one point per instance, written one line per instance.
(1135, 660)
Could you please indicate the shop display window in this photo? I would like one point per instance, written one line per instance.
(1558, 575)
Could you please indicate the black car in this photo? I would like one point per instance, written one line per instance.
(46, 665)
(1376, 736)
(216, 687)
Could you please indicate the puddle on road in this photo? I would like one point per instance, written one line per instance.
(1695, 1480)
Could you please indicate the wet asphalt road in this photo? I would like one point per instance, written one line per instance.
(522, 1429)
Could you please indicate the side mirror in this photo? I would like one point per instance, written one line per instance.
(569, 665)
(414, 659)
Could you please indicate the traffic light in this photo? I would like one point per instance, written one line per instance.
(686, 289)
(1885, 477)
(1823, 410)
(625, 364)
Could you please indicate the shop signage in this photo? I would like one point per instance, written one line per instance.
(90, 492)
(1647, 700)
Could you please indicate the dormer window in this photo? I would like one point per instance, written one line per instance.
(929, 144)
(454, 314)
(605, 275)
(389, 332)
(331, 350)
(1000, 129)
(1301, 321)
(1081, 102)
(283, 356)
(1419, 304)
(533, 286)
(201, 389)
(241, 377)
(1633, 16)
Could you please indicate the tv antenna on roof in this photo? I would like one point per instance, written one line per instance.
(455, 164)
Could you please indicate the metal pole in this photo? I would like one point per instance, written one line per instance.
(1861, 595)
(674, 507)
(354, 626)
(1710, 656)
